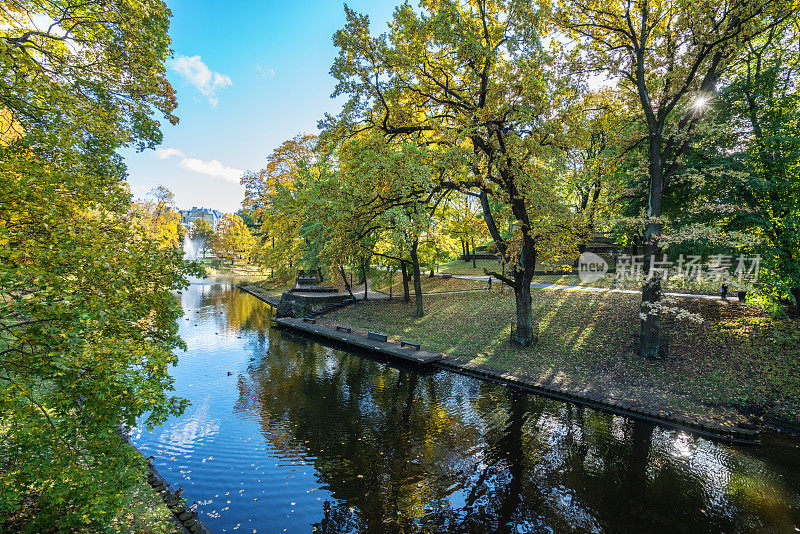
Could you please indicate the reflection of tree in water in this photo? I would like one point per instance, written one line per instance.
(401, 452)
(374, 430)
(233, 310)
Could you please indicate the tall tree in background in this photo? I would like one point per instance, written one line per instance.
(593, 159)
(272, 196)
(81, 352)
(232, 239)
(463, 216)
(158, 217)
(389, 193)
(473, 79)
(763, 100)
(746, 174)
(669, 57)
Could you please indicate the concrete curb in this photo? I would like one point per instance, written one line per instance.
(260, 296)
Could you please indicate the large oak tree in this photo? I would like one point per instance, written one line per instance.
(474, 79)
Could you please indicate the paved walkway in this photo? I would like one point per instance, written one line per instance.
(372, 294)
(592, 289)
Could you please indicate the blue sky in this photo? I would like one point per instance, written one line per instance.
(248, 75)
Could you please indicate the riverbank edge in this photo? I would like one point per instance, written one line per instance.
(272, 301)
(485, 372)
(185, 520)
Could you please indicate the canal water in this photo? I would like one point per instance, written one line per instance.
(287, 435)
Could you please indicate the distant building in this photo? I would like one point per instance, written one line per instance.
(189, 216)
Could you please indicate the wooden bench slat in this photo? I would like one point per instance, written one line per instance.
(377, 336)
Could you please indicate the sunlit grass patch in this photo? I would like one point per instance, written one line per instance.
(738, 357)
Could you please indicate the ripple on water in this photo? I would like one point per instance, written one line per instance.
(303, 435)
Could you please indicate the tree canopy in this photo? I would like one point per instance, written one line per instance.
(87, 316)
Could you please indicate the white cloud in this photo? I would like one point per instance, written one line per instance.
(265, 71)
(193, 70)
(212, 168)
(209, 168)
(164, 153)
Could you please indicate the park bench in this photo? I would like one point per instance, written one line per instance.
(309, 320)
(341, 328)
(376, 336)
(410, 344)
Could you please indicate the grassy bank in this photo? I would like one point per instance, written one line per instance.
(737, 361)
(144, 513)
(224, 268)
(433, 285)
(465, 267)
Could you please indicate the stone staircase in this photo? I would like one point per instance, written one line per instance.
(330, 307)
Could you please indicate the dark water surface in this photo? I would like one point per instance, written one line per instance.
(305, 438)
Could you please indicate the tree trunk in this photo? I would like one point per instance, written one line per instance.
(364, 275)
(404, 271)
(346, 285)
(463, 247)
(650, 330)
(361, 271)
(650, 327)
(473, 253)
(526, 332)
(417, 282)
(466, 256)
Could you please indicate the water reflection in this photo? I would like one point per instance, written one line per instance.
(305, 437)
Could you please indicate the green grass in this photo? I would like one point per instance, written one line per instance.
(270, 287)
(144, 512)
(462, 267)
(737, 358)
(274, 287)
(465, 268)
(225, 268)
(433, 285)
